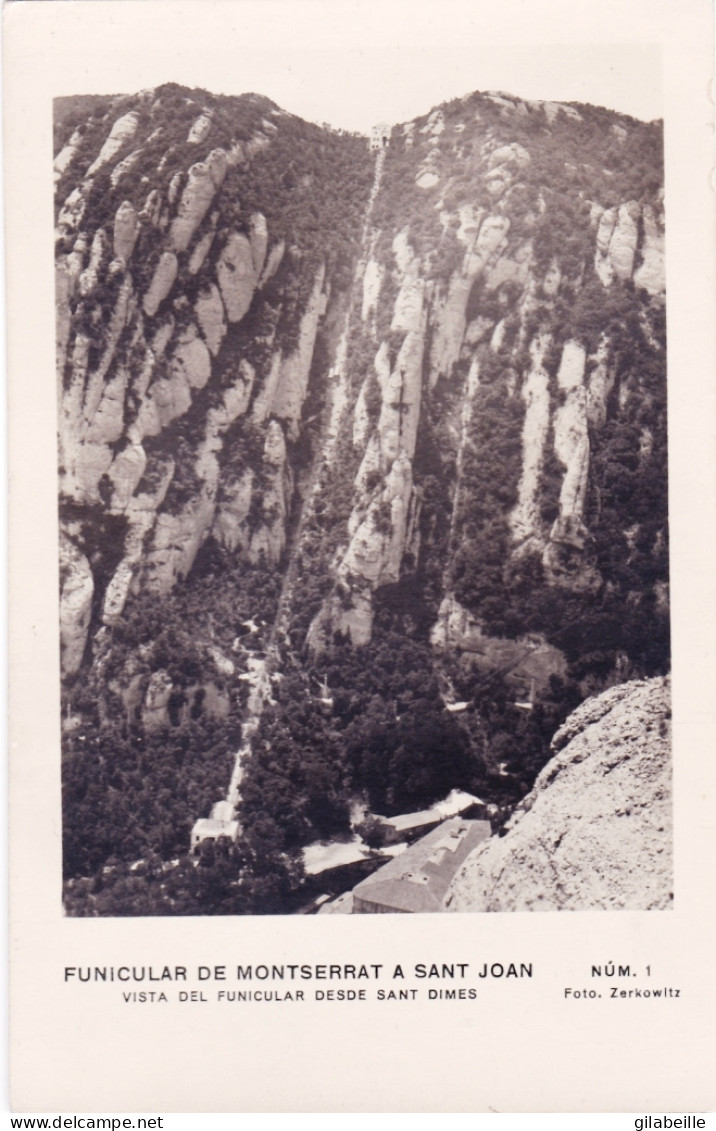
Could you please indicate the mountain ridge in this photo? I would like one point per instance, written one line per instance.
(404, 415)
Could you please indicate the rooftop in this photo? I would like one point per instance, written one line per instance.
(418, 880)
(209, 829)
(321, 857)
(457, 801)
(343, 905)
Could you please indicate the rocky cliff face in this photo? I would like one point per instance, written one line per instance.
(595, 832)
(404, 415)
(185, 323)
(495, 285)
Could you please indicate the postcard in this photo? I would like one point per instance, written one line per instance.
(362, 458)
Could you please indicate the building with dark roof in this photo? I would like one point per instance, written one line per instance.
(418, 879)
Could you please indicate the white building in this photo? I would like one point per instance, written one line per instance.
(380, 136)
(407, 826)
(221, 823)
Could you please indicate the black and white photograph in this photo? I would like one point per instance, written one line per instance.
(364, 555)
(362, 474)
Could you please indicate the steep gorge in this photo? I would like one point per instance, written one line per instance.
(439, 406)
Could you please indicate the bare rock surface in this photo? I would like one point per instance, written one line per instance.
(525, 519)
(201, 250)
(371, 287)
(293, 375)
(191, 361)
(210, 314)
(596, 830)
(622, 247)
(650, 274)
(194, 204)
(75, 604)
(126, 230)
(162, 282)
(64, 157)
(272, 262)
(124, 166)
(199, 129)
(237, 276)
(122, 130)
(155, 712)
(258, 238)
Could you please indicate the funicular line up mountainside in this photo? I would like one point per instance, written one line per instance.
(223, 815)
(362, 474)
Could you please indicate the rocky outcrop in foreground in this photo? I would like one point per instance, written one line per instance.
(595, 832)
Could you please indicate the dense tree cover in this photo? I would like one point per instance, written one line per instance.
(225, 879)
(127, 797)
(325, 521)
(312, 186)
(100, 539)
(72, 111)
(627, 492)
(584, 156)
(129, 789)
(571, 164)
(311, 183)
(488, 490)
(385, 736)
(165, 118)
